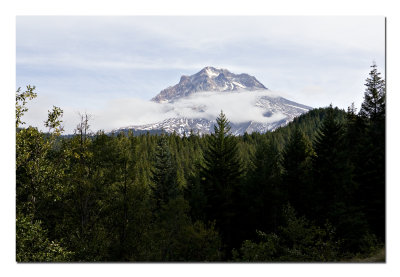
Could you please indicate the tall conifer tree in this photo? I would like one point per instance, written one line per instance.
(165, 185)
(296, 163)
(334, 184)
(374, 105)
(221, 177)
(372, 187)
(331, 168)
(263, 197)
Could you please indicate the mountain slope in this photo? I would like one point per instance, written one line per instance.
(194, 103)
(276, 112)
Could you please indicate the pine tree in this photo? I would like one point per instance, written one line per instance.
(296, 163)
(262, 192)
(357, 142)
(221, 173)
(334, 184)
(332, 172)
(374, 105)
(221, 158)
(164, 177)
(372, 185)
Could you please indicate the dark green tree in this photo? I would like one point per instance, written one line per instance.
(296, 163)
(372, 184)
(173, 236)
(165, 185)
(296, 240)
(374, 105)
(332, 174)
(334, 184)
(262, 194)
(222, 173)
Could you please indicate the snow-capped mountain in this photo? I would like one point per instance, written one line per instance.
(209, 79)
(197, 99)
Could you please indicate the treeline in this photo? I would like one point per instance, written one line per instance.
(310, 191)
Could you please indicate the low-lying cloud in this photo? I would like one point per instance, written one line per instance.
(237, 106)
(123, 112)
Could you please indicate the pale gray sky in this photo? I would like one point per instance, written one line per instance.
(93, 63)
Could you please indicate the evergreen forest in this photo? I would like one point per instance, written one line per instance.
(311, 191)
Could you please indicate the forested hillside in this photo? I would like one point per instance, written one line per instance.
(313, 190)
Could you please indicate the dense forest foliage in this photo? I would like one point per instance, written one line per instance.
(313, 190)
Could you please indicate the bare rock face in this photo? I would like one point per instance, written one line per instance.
(209, 79)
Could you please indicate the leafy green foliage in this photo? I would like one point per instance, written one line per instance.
(33, 244)
(53, 122)
(20, 102)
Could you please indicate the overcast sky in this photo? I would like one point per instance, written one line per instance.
(103, 64)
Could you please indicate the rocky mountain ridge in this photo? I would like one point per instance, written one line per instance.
(208, 79)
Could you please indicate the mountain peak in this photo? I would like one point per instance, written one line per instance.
(209, 79)
(211, 72)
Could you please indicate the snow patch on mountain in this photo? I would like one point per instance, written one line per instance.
(259, 111)
(211, 73)
(208, 79)
(196, 101)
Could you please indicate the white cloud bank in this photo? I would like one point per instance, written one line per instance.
(123, 112)
(238, 107)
